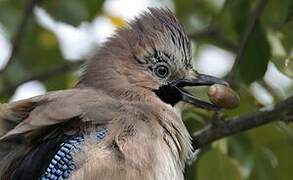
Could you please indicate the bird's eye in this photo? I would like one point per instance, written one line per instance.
(161, 71)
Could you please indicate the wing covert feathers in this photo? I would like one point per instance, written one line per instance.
(53, 108)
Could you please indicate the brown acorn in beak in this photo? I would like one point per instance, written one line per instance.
(223, 96)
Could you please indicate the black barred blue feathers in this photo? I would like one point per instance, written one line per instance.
(62, 163)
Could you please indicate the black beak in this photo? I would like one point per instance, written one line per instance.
(197, 80)
(200, 80)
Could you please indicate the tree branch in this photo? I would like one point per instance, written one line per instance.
(19, 33)
(221, 129)
(244, 37)
(43, 76)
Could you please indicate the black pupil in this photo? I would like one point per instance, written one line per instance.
(162, 71)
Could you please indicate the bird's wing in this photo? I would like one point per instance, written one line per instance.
(53, 108)
(33, 129)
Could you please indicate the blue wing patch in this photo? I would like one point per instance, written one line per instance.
(62, 163)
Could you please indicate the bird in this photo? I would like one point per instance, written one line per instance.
(121, 120)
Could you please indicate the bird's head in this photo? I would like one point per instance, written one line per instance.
(152, 53)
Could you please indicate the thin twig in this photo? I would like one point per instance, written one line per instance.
(244, 37)
(19, 33)
(43, 76)
(213, 132)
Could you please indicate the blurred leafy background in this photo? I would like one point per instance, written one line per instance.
(46, 52)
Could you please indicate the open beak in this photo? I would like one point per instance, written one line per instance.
(197, 80)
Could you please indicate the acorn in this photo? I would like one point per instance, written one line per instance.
(223, 96)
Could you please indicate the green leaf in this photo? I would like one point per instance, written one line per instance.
(263, 168)
(233, 18)
(57, 82)
(240, 147)
(10, 14)
(38, 53)
(195, 15)
(290, 12)
(285, 65)
(4, 99)
(273, 151)
(73, 11)
(69, 11)
(94, 7)
(214, 165)
(255, 57)
(275, 14)
(287, 36)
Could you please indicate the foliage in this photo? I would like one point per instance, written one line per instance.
(263, 153)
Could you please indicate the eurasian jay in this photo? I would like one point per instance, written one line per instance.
(120, 121)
